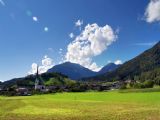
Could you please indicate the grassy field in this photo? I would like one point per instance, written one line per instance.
(82, 106)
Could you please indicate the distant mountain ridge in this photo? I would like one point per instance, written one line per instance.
(76, 71)
(72, 70)
(108, 68)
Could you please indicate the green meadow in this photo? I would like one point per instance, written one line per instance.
(113, 105)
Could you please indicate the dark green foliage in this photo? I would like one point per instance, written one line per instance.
(145, 84)
(140, 90)
(28, 81)
(148, 84)
(138, 85)
(123, 86)
(78, 87)
(54, 82)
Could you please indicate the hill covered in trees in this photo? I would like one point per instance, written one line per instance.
(49, 79)
(146, 66)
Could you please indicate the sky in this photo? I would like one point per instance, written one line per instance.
(91, 33)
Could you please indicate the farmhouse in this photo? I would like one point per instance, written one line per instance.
(22, 91)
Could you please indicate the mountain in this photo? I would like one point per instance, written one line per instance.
(72, 70)
(108, 68)
(76, 71)
(145, 66)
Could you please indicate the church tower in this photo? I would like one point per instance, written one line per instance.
(39, 84)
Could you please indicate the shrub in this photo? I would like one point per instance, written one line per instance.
(148, 84)
(123, 86)
(145, 84)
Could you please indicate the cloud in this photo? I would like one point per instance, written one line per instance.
(109, 61)
(2, 2)
(33, 68)
(46, 29)
(152, 13)
(50, 49)
(92, 41)
(35, 18)
(60, 51)
(79, 23)
(117, 30)
(46, 64)
(93, 66)
(71, 35)
(118, 62)
(146, 44)
(46, 61)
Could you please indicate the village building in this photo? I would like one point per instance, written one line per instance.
(22, 91)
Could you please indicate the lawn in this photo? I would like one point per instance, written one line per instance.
(83, 106)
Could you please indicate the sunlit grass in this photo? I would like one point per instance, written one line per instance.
(82, 106)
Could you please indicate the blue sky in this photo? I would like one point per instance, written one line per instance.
(24, 41)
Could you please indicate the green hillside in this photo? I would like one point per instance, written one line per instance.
(146, 66)
(49, 79)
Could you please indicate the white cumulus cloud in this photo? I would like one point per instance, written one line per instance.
(35, 18)
(152, 13)
(33, 68)
(47, 63)
(71, 35)
(92, 41)
(79, 24)
(118, 62)
(60, 51)
(46, 29)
